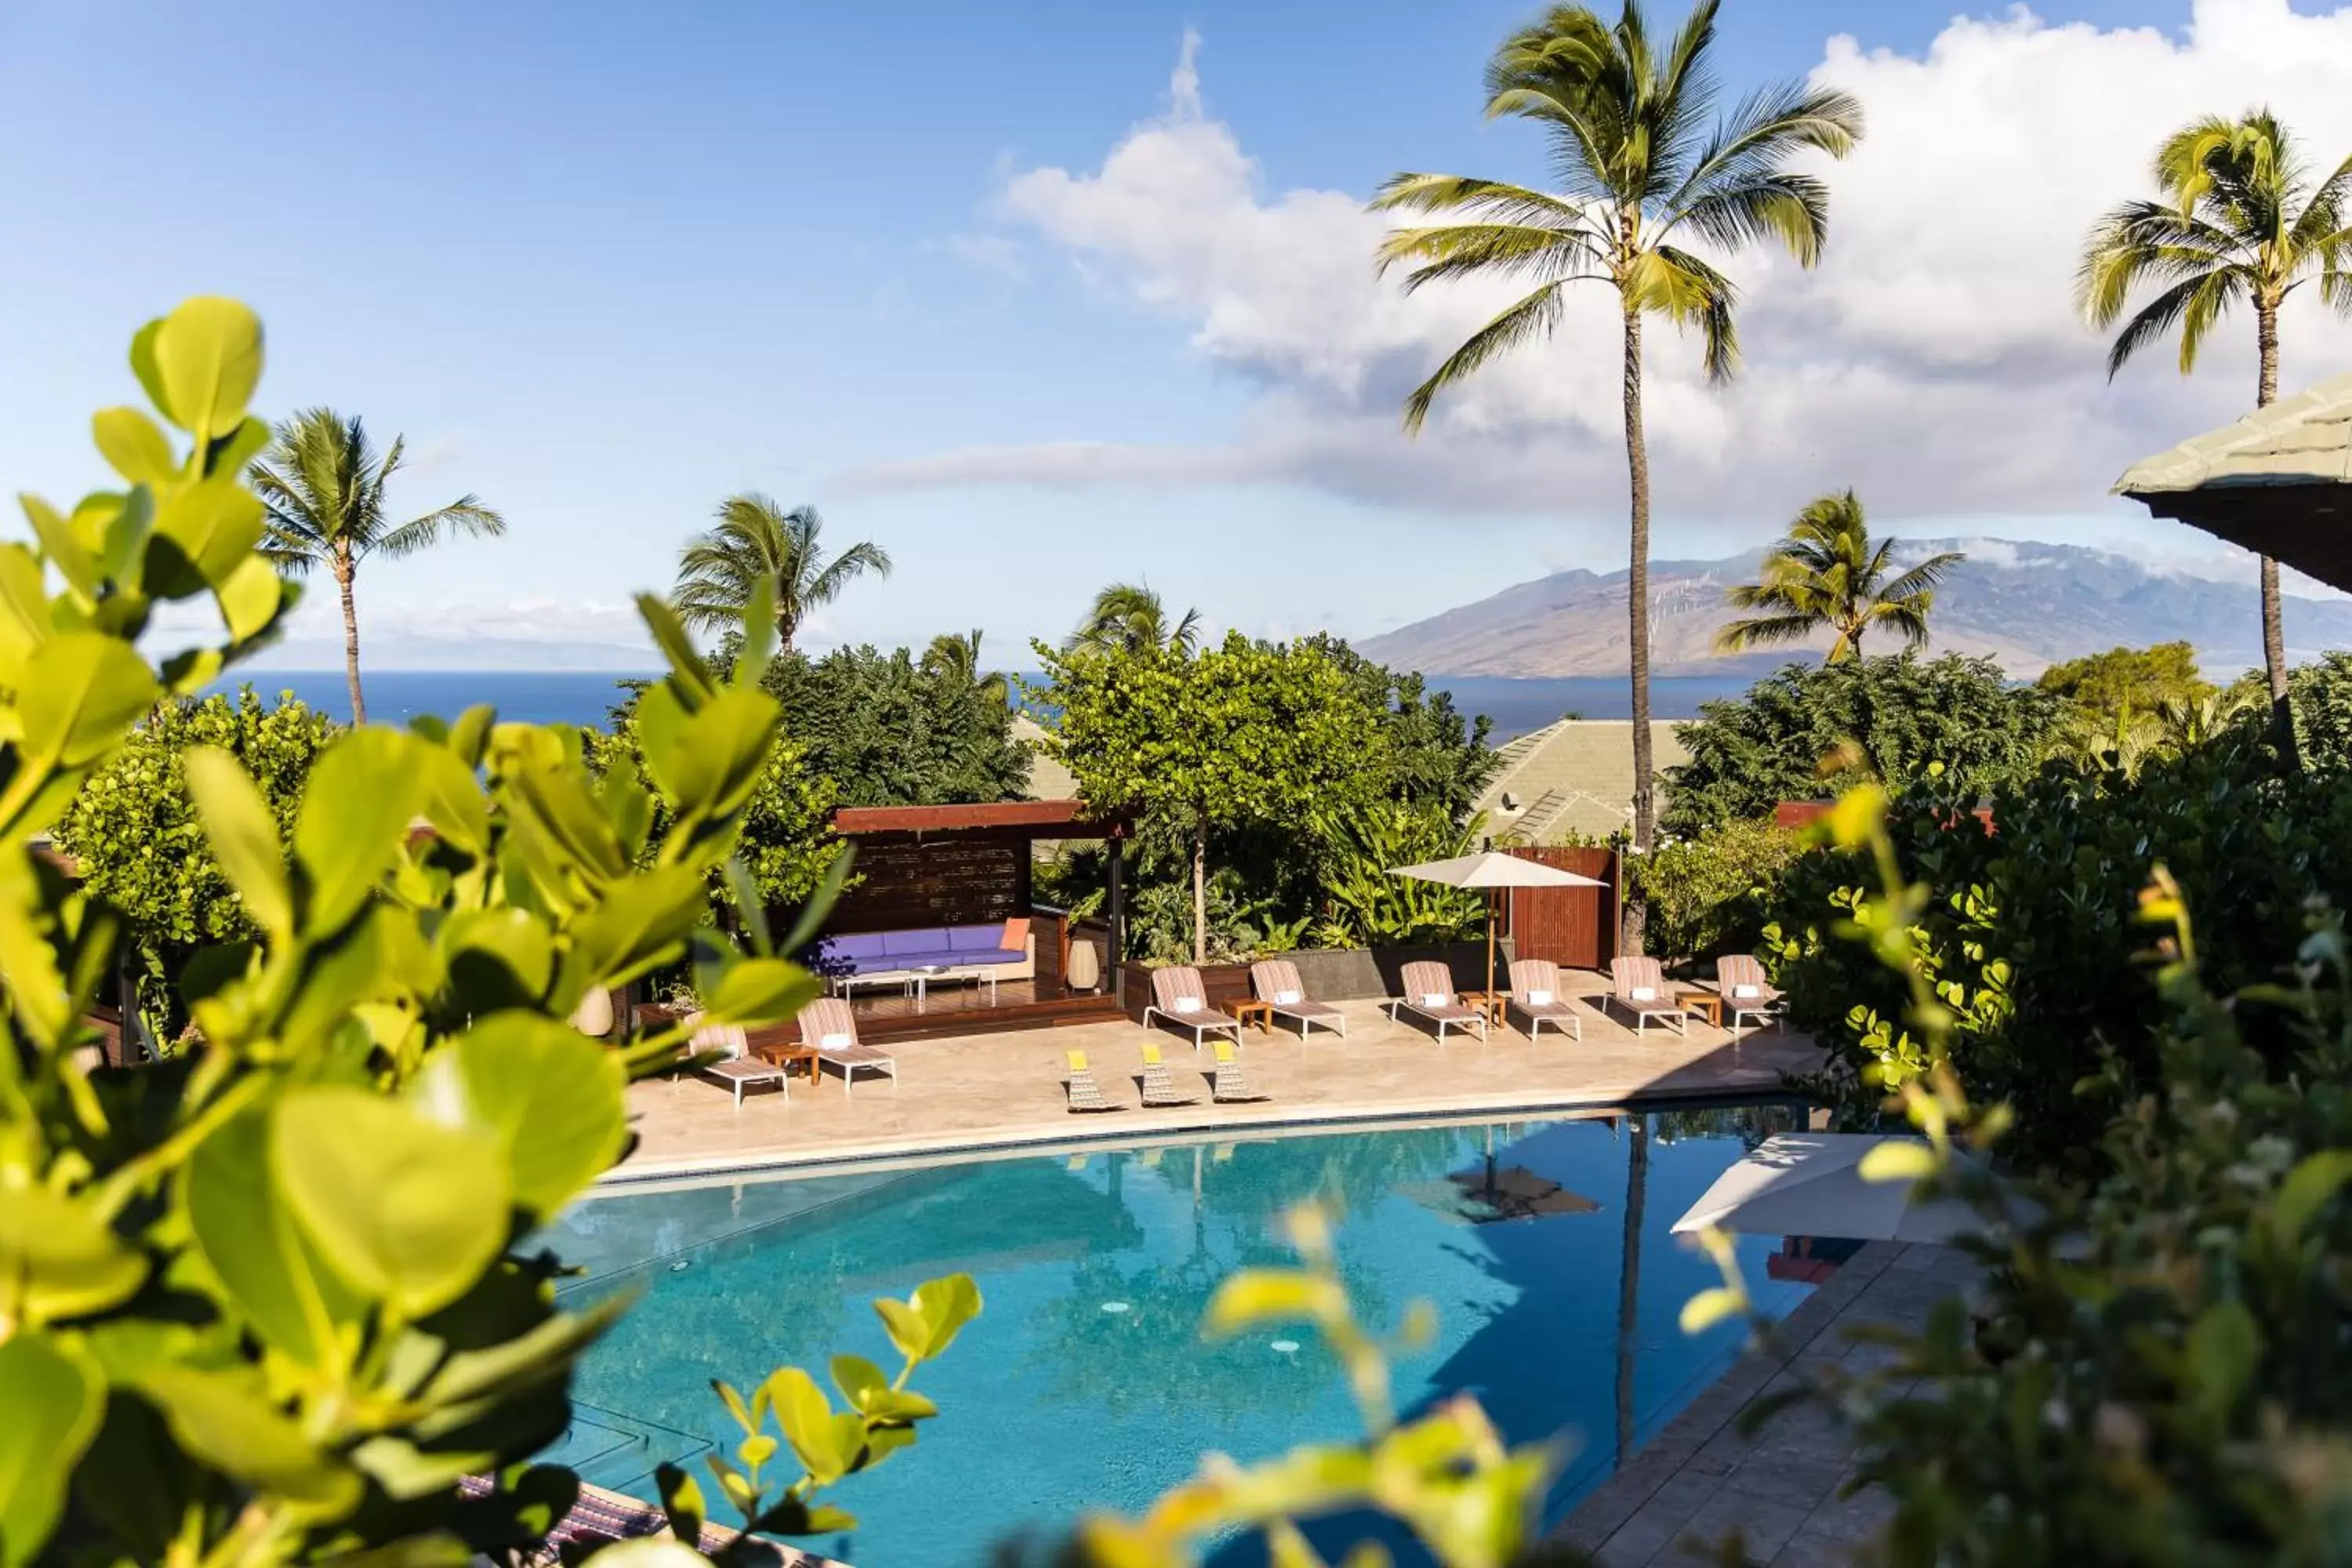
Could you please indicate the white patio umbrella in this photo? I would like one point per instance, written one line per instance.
(1810, 1184)
(1490, 870)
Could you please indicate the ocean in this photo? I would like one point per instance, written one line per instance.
(577, 697)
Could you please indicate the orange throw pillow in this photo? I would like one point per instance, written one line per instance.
(1017, 934)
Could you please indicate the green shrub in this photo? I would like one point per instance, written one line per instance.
(1887, 719)
(2032, 932)
(132, 830)
(1363, 905)
(1707, 895)
(2152, 1370)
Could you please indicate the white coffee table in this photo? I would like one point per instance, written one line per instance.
(923, 973)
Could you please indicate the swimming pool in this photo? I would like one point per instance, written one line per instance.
(1084, 1383)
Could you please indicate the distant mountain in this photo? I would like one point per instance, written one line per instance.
(2025, 604)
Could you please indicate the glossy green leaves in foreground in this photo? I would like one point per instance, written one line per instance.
(267, 1301)
(875, 1419)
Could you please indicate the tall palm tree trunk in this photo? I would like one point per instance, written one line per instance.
(1637, 594)
(2273, 622)
(351, 638)
(1629, 1276)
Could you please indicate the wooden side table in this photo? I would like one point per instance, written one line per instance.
(1254, 1012)
(1490, 1004)
(784, 1053)
(1707, 1005)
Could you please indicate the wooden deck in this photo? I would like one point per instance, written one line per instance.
(952, 1008)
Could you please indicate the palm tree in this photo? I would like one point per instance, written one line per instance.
(957, 656)
(1128, 617)
(2240, 224)
(323, 487)
(757, 542)
(1825, 573)
(1642, 173)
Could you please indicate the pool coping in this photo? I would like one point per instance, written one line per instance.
(1178, 1126)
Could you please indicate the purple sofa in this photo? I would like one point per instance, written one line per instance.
(973, 952)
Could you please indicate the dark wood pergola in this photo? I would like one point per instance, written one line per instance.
(2278, 482)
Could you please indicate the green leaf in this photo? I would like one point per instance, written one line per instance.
(869, 1392)
(134, 445)
(363, 791)
(547, 1096)
(497, 958)
(243, 1230)
(54, 1398)
(231, 453)
(205, 359)
(619, 939)
(2308, 1187)
(2224, 1347)
(759, 633)
(710, 762)
(1898, 1160)
(1250, 1297)
(59, 1260)
(1709, 1308)
(223, 1419)
(407, 1210)
(81, 691)
(759, 991)
(203, 533)
(60, 546)
(244, 836)
(928, 1322)
(250, 598)
(827, 1445)
(677, 648)
(681, 1499)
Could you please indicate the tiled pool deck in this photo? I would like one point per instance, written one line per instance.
(1006, 1089)
(1684, 1492)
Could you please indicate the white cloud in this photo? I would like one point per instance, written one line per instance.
(1933, 361)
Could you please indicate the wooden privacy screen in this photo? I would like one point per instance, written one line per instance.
(1576, 928)
(905, 884)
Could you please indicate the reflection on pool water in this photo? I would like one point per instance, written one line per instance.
(1085, 1382)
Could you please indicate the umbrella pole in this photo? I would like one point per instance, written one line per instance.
(1490, 943)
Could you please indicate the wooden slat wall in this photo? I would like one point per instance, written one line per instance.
(1576, 928)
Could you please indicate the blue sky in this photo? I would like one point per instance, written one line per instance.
(605, 264)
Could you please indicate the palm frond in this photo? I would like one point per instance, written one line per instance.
(2209, 301)
(2154, 318)
(2146, 242)
(1765, 631)
(1485, 201)
(1791, 208)
(1532, 317)
(1924, 577)
(466, 515)
(1751, 150)
(1687, 291)
(1502, 250)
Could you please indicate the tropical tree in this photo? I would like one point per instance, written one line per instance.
(2241, 225)
(955, 657)
(1826, 576)
(1128, 617)
(757, 542)
(323, 487)
(1646, 170)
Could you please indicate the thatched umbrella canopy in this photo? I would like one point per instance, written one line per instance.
(2278, 481)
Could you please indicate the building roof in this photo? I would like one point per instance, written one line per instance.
(1005, 818)
(2278, 481)
(1571, 779)
(1048, 780)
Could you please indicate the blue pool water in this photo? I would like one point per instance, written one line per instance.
(1084, 1383)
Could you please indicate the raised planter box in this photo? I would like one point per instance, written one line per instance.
(1334, 974)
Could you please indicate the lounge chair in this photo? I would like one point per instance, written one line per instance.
(1745, 992)
(1536, 995)
(1276, 981)
(597, 1517)
(1086, 1094)
(1429, 991)
(1178, 996)
(736, 1064)
(1639, 985)
(832, 1028)
(1159, 1084)
(1228, 1086)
